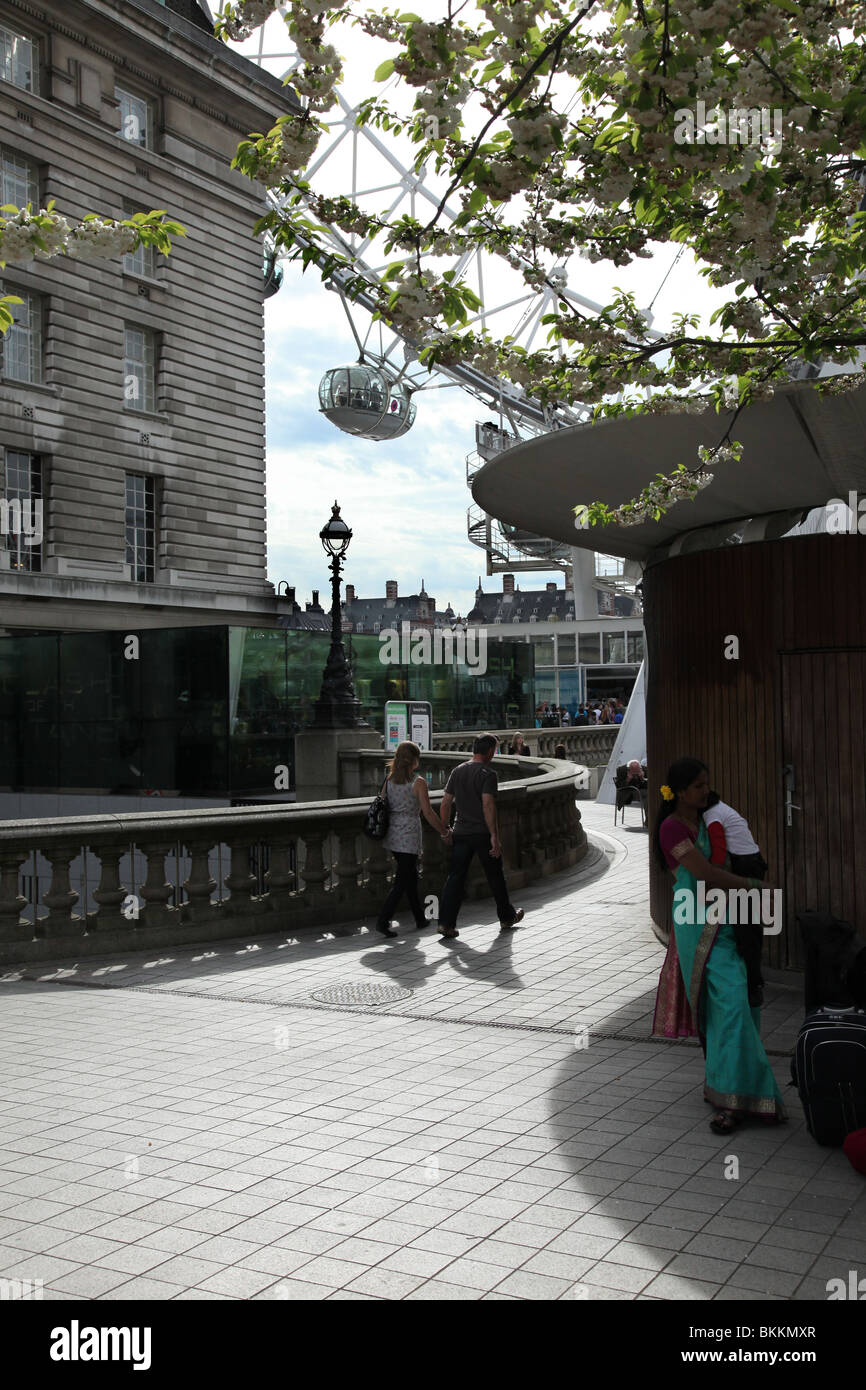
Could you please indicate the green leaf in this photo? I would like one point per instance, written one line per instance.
(384, 70)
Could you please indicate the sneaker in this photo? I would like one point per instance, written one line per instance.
(387, 929)
(509, 926)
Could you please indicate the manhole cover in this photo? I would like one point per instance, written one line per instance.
(361, 994)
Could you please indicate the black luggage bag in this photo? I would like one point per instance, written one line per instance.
(829, 1071)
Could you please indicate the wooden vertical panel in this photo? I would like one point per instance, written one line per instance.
(801, 596)
(857, 753)
(838, 754)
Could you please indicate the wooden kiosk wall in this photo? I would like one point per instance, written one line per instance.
(796, 694)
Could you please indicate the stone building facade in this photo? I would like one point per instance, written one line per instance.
(132, 390)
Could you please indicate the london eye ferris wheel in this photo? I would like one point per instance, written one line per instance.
(375, 397)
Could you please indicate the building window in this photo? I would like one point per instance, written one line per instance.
(21, 511)
(21, 348)
(589, 647)
(141, 527)
(614, 648)
(139, 368)
(566, 649)
(543, 651)
(19, 179)
(141, 262)
(19, 60)
(136, 118)
(635, 647)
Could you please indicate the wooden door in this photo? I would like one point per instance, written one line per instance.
(824, 750)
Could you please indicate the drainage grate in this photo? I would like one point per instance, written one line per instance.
(361, 994)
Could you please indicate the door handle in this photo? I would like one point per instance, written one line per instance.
(788, 774)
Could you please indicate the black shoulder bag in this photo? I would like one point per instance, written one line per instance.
(377, 816)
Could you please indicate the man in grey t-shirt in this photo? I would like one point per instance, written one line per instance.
(472, 787)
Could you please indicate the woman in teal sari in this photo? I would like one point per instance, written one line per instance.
(703, 986)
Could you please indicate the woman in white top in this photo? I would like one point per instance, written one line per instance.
(408, 800)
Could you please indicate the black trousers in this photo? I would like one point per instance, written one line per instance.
(405, 881)
(750, 936)
(462, 849)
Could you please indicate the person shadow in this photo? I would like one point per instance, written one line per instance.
(494, 966)
(403, 961)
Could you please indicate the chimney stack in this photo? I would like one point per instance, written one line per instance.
(350, 593)
(508, 583)
(391, 589)
(551, 587)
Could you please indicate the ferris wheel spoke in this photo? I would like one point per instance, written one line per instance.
(373, 398)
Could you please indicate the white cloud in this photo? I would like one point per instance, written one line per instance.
(405, 500)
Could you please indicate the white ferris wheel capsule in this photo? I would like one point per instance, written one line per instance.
(367, 399)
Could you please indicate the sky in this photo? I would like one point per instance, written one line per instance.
(406, 499)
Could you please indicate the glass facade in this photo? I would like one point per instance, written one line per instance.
(544, 650)
(589, 646)
(635, 646)
(210, 711)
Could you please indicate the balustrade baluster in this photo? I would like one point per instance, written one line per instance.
(379, 863)
(240, 881)
(156, 890)
(281, 878)
(314, 873)
(12, 904)
(61, 896)
(200, 884)
(348, 867)
(111, 893)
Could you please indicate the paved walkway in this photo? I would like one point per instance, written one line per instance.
(196, 1125)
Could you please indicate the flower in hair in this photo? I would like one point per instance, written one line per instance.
(666, 792)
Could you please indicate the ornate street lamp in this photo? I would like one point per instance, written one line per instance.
(337, 706)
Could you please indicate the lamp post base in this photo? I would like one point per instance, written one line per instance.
(317, 760)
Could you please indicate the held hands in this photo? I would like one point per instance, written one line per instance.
(448, 835)
(495, 847)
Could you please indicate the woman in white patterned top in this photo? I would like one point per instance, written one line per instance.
(408, 800)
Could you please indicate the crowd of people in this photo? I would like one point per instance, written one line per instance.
(610, 711)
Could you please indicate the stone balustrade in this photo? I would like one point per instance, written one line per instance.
(160, 878)
(589, 745)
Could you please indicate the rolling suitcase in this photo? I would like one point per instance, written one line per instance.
(829, 1071)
